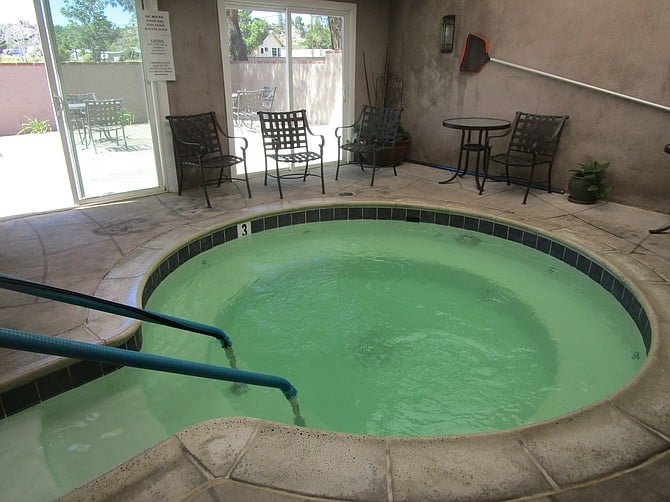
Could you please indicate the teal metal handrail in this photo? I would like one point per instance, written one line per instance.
(32, 342)
(91, 302)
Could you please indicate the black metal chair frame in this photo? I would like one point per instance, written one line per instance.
(268, 98)
(246, 107)
(196, 141)
(78, 115)
(104, 117)
(373, 132)
(285, 140)
(534, 141)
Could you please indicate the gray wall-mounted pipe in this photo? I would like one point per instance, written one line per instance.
(582, 84)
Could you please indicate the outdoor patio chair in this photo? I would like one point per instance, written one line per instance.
(285, 139)
(373, 143)
(534, 142)
(105, 117)
(76, 108)
(246, 107)
(268, 98)
(196, 141)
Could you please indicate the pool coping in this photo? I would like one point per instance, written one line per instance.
(624, 432)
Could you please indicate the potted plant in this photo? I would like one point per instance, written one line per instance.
(587, 183)
(388, 94)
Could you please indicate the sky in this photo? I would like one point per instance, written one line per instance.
(15, 10)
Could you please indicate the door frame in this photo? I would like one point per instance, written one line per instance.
(319, 7)
(157, 106)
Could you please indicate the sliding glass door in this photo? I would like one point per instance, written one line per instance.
(102, 104)
(281, 55)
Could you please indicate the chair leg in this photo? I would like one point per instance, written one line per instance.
(530, 182)
(323, 185)
(95, 150)
(507, 172)
(265, 182)
(204, 186)
(339, 154)
(281, 195)
(220, 178)
(181, 178)
(549, 179)
(305, 175)
(246, 176)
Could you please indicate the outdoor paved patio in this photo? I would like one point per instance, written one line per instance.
(618, 449)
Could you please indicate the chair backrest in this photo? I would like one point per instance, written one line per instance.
(388, 91)
(541, 130)
(268, 98)
(201, 128)
(284, 130)
(104, 113)
(250, 101)
(74, 99)
(378, 125)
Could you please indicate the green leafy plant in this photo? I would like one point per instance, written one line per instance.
(594, 171)
(35, 126)
(402, 134)
(126, 117)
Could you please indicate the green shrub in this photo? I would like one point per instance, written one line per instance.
(35, 126)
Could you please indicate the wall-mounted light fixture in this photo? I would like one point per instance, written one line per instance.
(447, 33)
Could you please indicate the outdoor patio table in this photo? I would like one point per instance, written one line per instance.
(78, 111)
(482, 126)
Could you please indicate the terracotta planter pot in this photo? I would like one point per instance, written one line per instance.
(579, 191)
(385, 157)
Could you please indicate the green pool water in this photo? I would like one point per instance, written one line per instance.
(385, 328)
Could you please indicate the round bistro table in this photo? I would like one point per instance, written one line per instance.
(482, 126)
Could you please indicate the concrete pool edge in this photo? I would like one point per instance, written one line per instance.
(618, 433)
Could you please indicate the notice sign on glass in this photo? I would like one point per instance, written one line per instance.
(156, 45)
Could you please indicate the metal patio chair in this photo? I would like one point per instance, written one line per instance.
(285, 139)
(246, 106)
(374, 137)
(76, 108)
(196, 141)
(268, 98)
(533, 143)
(105, 117)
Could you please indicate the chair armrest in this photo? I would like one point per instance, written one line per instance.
(337, 129)
(497, 136)
(309, 130)
(228, 136)
(196, 147)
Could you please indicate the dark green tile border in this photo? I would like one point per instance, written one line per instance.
(60, 381)
(541, 243)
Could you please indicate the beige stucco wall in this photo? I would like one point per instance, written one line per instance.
(197, 57)
(615, 44)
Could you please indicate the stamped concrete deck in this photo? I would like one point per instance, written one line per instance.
(617, 449)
